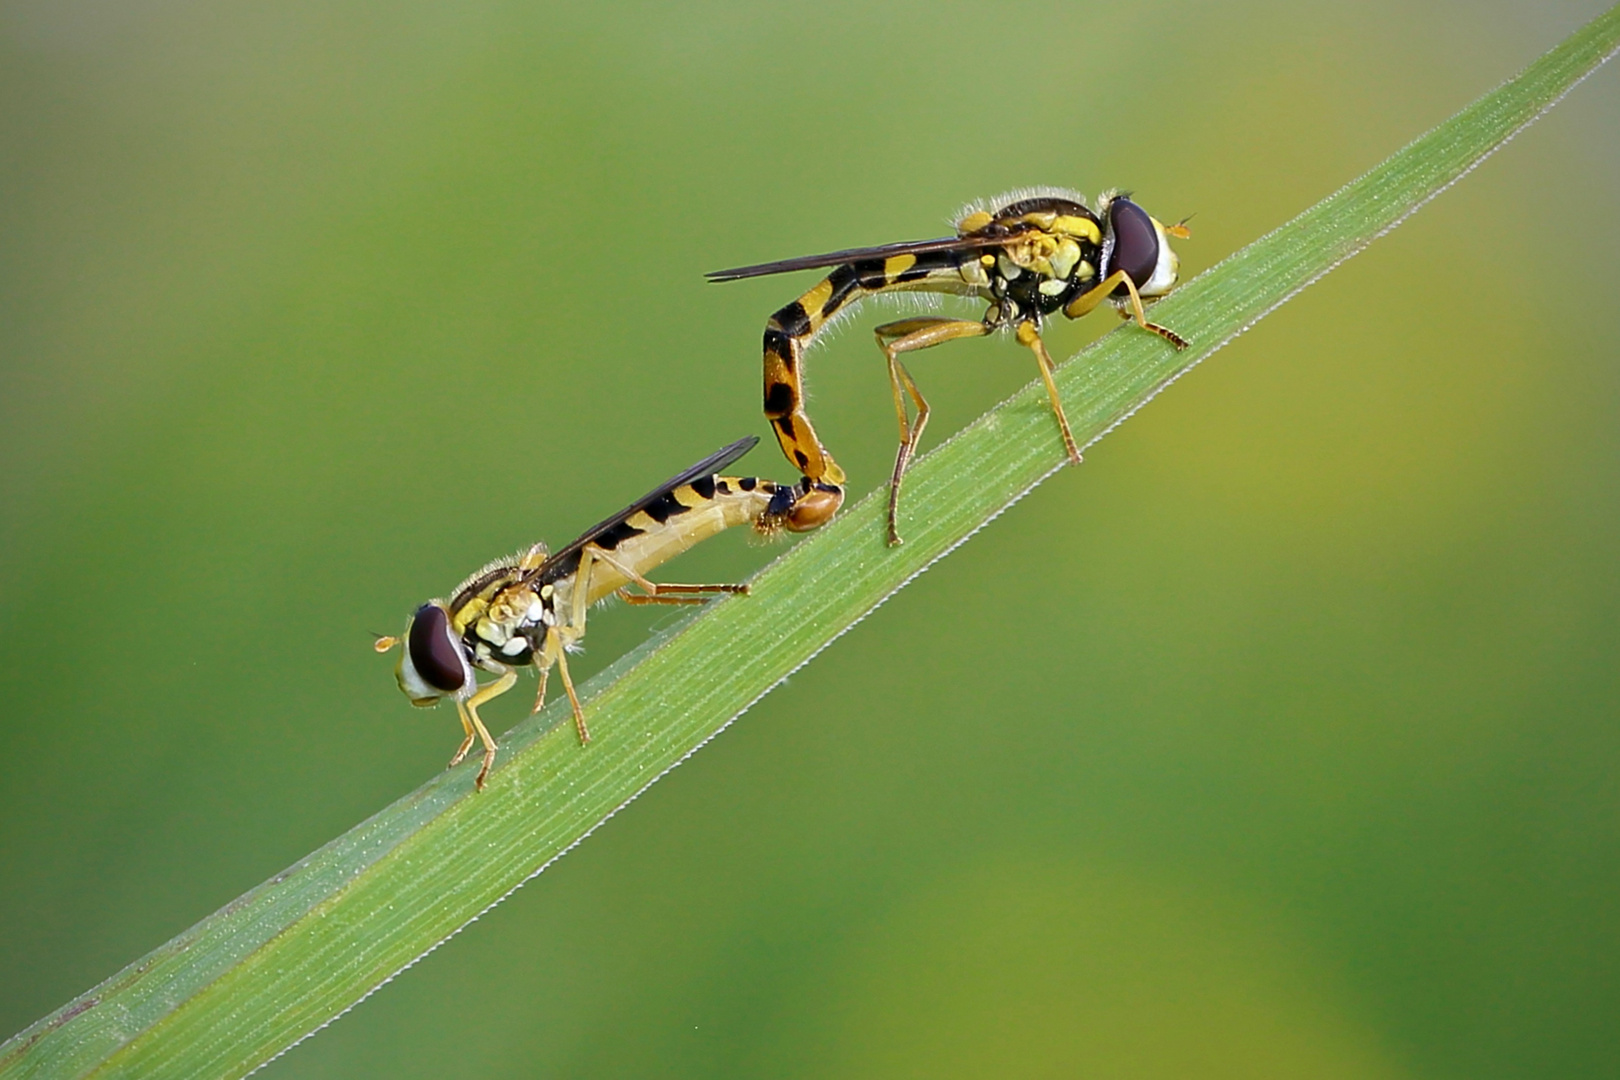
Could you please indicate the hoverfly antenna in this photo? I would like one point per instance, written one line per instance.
(383, 642)
(1179, 230)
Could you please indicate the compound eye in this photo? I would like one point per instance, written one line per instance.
(1136, 242)
(435, 653)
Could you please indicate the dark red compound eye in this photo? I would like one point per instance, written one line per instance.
(434, 653)
(1136, 243)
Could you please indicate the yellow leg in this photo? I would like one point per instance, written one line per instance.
(909, 335)
(707, 593)
(1030, 337)
(485, 694)
(1085, 302)
(636, 598)
(466, 743)
(540, 691)
(582, 590)
(573, 698)
(653, 589)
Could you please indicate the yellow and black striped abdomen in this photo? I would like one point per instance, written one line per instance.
(791, 330)
(684, 517)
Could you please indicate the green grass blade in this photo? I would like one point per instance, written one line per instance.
(290, 956)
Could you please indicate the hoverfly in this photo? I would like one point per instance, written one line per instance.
(1043, 252)
(528, 610)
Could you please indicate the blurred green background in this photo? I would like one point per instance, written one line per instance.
(1281, 737)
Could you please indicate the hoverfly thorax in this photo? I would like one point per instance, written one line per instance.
(1047, 257)
(505, 633)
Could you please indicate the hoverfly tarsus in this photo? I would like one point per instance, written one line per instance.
(1043, 252)
(528, 610)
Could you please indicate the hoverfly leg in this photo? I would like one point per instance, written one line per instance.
(573, 698)
(1087, 301)
(1030, 336)
(466, 743)
(487, 693)
(582, 591)
(654, 592)
(639, 598)
(704, 593)
(909, 335)
(540, 691)
(629, 572)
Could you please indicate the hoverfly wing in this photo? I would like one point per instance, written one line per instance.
(839, 258)
(710, 465)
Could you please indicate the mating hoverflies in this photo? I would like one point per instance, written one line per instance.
(528, 610)
(1042, 253)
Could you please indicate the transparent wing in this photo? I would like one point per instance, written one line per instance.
(707, 467)
(973, 242)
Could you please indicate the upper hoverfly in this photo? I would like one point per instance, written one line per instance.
(529, 609)
(1043, 252)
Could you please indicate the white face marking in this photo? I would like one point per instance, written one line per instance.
(410, 680)
(536, 611)
(1053, 286)
(515, 646)
(1165, 270)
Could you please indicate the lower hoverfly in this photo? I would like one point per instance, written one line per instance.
(1040, 253)
(528, 610)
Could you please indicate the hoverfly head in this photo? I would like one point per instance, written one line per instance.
(433, 662)
(1137, 243)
